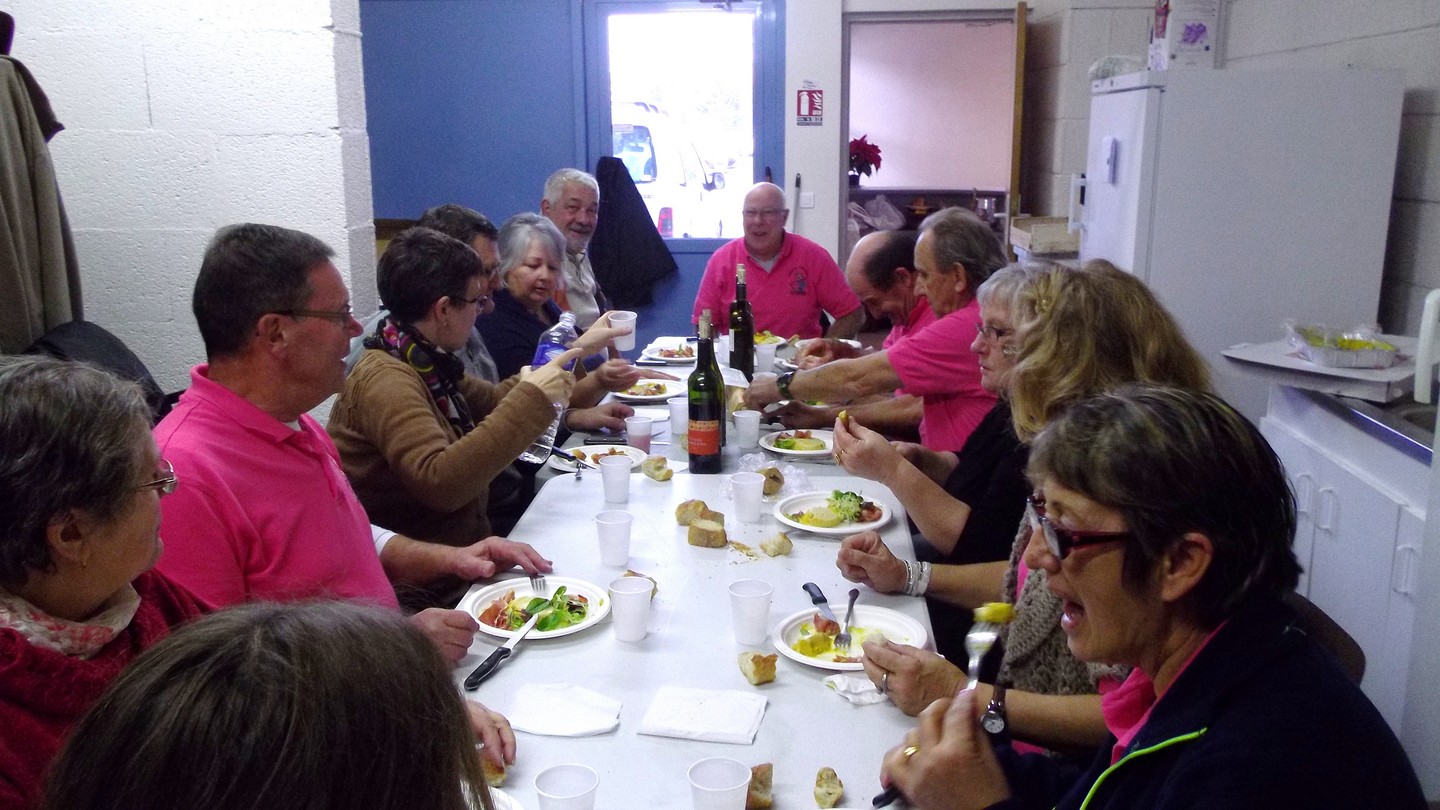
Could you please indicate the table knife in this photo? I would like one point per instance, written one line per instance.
(572, 457)
(820, 601)
(490, 664)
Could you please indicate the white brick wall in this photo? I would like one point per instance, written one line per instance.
(1067, 35)
(182, 117)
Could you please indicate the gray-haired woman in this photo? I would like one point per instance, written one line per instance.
(80, 489)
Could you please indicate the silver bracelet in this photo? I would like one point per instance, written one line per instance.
(909, 577)
(923, 583)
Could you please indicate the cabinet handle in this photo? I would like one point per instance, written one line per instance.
(1329, 510)
(1406, 569)
(1304, 484)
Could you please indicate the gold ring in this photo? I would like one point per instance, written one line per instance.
(909, 751)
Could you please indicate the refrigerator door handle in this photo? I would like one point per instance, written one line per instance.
(1072, 211)
(1425, 351)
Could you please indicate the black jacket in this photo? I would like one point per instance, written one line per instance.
(626, 251)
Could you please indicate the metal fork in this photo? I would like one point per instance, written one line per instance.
(537, 582)
(842, 641)
(978, 641)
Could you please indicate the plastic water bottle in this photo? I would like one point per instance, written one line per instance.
(552, 344)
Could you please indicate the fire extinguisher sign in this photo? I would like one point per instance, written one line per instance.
(809, 108)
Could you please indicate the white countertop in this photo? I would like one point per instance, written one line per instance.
(806, 725)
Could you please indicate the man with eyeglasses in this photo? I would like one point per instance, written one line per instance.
(572, 202)
(790, 280)
(953, 254)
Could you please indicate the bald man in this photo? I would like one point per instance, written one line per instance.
(790, 280)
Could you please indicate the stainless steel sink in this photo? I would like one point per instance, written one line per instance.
(1406, 420)
(1419, 414)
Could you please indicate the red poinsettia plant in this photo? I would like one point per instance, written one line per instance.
(864, 156)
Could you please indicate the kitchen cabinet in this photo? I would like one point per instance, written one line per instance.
(1359, 530)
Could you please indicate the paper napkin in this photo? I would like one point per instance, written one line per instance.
(857, 689)
(704, 714)
(562, 710)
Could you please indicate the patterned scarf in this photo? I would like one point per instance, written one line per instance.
(76, 639)
(440, 370)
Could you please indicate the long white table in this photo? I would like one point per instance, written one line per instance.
(690, 644)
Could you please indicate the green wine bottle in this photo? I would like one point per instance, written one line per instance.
(742, 329)
(706, 389)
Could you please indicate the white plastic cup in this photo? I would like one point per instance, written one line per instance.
(747, 429)
(637, 432)
(765, 357)
(620, 319)
(615, 475)
(747, 488)
(613, 529)
(722, 350)
(750, 610)
(719, 783)
(679, 416)
(567, 787)
(630, 607)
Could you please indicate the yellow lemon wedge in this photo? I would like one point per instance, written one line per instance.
(821, 516)
(995, 613)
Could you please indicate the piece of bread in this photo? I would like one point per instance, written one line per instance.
(688, 511)
(828, 788)
(706, 534)
(777, 546)
(758, 667)
(494, 774)
(774, 481)
(713, 516)
(761, 780)
(657, 467)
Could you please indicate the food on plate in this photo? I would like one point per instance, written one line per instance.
(817, 640)
(828, 787)
(761, 779)
(797, 440)
(658, 468)
(494, 774)
(654, 586)
(646, 389)
(840, 508)
(758, 667)
(594, 456)
(774, 481)
(682, 352)
(560, 610)
(777, 546)
(995, 613)
(706, 533)
(766, 336)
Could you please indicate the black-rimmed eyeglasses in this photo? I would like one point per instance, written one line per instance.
(166, 483)
(1061, 541)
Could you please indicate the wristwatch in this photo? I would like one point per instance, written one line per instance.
(782, 383)
(994, 720)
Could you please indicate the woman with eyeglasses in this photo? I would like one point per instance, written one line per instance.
(80, 489)
(1162, 522)
(1080, 333)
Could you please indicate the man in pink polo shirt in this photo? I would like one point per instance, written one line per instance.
(789, 279)
(953, 255)
(881, 271)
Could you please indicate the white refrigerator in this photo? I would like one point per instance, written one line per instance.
(1244, 197)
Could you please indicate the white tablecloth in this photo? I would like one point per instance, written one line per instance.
(806, 726)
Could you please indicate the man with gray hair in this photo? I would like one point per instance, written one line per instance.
(572, 202)
(954, 254)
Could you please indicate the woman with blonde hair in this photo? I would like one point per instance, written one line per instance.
(1080, 333)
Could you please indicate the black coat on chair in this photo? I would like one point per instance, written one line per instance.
(628, 254)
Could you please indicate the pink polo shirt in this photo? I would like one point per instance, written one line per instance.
(263, 510)
(936, 364)
(920, 317)
(787, 299)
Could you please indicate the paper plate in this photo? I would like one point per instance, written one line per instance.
(652, 352)
(896, 626)
(768, 442)
(590, 450)
(673, 388)
(475, 602)
(809, 500)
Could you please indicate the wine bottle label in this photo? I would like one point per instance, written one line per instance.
(704, 437)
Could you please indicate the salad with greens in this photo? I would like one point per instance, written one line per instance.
(840, 508)
(560, 610)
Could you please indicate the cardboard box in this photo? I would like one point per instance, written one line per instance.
(1184, 34)
(1043, 235)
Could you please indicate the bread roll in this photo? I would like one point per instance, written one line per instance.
(494, 774)
(757, 667)
(706, 534)
(688, 511)
(828, 788)
(657, 467)
(774, 481)
(761, 780)
(777, 546)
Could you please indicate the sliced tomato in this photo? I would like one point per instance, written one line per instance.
(824, 625)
